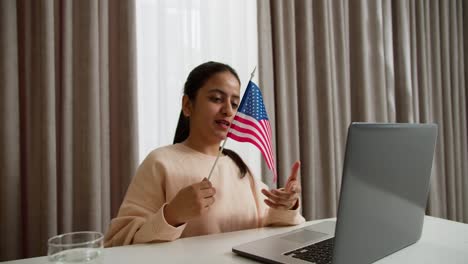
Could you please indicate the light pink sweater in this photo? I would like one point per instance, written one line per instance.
(239, 203)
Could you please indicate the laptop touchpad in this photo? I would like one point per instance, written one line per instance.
(304, 236)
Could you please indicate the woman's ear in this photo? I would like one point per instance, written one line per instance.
(186, 106)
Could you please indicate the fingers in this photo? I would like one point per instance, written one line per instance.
(190, 202)
(280, 199)
(285, 198)
(205, 188)
(294, 187)
(275, 205)
(207, 202)
(205, 193)
(293, 176)
(205, 184)
(280, 196)
(284, 194)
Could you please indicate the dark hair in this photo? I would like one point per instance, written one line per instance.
(195, 80)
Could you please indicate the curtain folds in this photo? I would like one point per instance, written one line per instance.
(324, 64)
(68, 121)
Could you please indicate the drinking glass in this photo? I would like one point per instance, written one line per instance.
(76, 247)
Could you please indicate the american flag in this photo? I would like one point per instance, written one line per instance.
(251, 125)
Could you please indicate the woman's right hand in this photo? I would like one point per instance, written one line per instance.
(190, 202)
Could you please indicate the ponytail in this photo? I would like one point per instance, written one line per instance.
(238, 161)
(183, 129)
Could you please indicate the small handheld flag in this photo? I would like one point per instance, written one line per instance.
(251, 125)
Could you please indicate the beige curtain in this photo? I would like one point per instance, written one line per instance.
(68, 118)
(326, 63)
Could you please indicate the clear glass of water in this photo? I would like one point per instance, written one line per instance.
(76, 247)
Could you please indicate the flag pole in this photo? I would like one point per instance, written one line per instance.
(229, 129)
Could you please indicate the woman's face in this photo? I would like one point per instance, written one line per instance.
(214, 108)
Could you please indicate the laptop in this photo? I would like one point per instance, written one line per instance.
(382, 204)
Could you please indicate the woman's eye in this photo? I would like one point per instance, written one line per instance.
(234, 105)
(216, 99)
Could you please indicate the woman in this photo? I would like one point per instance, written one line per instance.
(169, 197)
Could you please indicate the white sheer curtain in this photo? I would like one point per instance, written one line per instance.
(175, 36)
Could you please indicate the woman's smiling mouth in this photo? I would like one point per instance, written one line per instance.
(223, 123)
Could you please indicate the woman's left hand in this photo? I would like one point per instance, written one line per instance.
(288, 197)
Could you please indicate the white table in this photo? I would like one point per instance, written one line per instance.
(442, 241)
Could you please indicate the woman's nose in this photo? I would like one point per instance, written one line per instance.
(228, 111)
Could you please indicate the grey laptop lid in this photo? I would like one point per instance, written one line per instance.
(384, 191)
(386, 177)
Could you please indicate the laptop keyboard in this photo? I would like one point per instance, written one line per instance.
(320, 253)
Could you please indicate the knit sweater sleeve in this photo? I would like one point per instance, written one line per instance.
(141, 216)
(275, 217)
